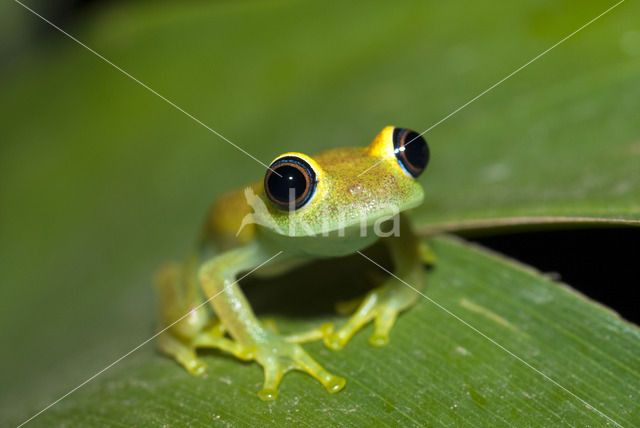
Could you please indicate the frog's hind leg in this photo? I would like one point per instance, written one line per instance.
(179, 331)
(188, 323)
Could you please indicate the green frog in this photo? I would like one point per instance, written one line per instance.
(306, 208)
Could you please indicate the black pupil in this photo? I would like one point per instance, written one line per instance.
(290, 178)
(415, 150)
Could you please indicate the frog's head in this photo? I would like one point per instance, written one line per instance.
(345, 188)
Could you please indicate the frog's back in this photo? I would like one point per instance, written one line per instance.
(225, 220)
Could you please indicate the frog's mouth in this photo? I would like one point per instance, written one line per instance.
(342, 238)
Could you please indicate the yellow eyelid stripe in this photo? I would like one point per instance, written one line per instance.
(382, 145)
(382, 148)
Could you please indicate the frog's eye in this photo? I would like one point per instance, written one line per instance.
(411, 150)
(290, 182)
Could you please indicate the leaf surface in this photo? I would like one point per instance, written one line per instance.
(437, 371)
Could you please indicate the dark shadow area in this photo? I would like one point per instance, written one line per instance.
(66, 14)
(65, 11)
(603, 264)
(314, 289)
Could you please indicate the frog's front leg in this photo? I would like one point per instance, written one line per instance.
(383, 304)
(276, 355)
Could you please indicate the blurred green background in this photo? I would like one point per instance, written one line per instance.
(101, 181)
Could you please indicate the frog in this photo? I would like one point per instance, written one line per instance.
(306, 208)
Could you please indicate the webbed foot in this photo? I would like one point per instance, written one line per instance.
(276, 354)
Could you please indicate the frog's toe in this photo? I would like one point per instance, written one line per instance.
(272, 377)
(332, 383)
(334, 342)
(183, 354)
(363, 315)
(383, 323)
(381, 306)
(339, 339)
(196, 367)
(279, 358)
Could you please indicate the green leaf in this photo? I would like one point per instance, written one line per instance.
(436, 371)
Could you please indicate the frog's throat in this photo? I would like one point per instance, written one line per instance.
(336, 227)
